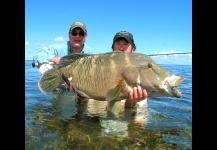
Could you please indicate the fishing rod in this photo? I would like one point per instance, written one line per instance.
(52, 63)
(39, 64)
(169, 54)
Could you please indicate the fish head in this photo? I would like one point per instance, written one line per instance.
(160, 82)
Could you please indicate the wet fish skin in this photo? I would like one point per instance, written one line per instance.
(110, 76)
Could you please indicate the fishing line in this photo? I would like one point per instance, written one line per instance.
(169, 54)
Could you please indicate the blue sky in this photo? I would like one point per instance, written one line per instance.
(158, 26)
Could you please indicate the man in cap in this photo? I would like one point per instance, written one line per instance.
(124, 41)
(76, 44)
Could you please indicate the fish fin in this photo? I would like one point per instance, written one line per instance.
(81, 93)
(66, 80)
(114, 107)
(50, 80)
(113, 93)
(66, 60)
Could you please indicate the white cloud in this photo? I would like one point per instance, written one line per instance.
(59, 39)
(167, 52)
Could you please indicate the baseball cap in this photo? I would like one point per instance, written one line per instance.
(124, 34)
(78, 25)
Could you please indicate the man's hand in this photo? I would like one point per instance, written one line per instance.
(136, 95)
(56, 59)
(71, 89)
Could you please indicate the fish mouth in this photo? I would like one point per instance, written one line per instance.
(173, 83)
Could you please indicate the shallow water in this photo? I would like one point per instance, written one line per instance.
(55, 122)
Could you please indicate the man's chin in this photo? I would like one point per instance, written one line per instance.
(77, 45)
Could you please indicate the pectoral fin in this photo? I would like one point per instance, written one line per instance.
(113, 93)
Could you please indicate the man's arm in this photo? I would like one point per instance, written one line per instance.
(43, 57)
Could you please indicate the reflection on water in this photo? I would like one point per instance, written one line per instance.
(89, 126)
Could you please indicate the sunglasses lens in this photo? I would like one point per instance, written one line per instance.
(75, 33)
(81, 33)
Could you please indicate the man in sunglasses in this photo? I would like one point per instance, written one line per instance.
(76, 44)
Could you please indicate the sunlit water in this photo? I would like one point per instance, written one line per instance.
(55, 122)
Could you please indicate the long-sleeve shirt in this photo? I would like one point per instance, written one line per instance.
(57, 50)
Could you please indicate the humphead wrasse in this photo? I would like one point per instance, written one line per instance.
(110, 76)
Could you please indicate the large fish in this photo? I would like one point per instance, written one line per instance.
(110, 76)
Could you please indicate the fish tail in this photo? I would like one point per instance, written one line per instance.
(50, 80)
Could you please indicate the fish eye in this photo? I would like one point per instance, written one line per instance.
(149, 65)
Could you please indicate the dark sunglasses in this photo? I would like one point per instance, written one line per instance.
(73, 33)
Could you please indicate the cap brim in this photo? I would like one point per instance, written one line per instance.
(127, 39)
